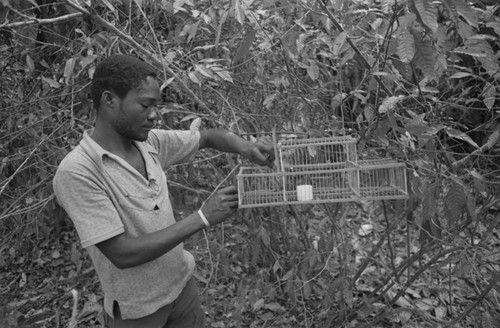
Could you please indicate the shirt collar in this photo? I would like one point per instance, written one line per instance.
(97, 153)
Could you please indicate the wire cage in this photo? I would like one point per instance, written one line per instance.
(320, 170)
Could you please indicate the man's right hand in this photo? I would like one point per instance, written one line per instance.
(221, 205)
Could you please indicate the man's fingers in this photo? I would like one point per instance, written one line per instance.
(233, 203)
(228, 190)
(265, 147)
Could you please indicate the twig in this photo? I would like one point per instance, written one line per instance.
(9, 179)
(152, 31)
(32, 21)
(39, 204)
(481, 297)
(492, 141)
(210, 259)
(143, 50)
(73, 322)
(292, 80)
(408, 283)
(389, 244)
(375, 249)
(365, 63)
(222, 182)
(193, 190)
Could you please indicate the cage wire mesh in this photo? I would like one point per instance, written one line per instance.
(320, 170)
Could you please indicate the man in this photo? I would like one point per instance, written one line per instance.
(113, 187)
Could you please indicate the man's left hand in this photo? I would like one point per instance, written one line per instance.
(262, 152)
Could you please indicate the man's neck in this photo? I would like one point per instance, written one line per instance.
(110, 140)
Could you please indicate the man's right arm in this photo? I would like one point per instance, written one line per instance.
(125, 251)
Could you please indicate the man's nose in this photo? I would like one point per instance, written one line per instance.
(153, 114)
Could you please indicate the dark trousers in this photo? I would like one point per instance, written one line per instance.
(184, 312)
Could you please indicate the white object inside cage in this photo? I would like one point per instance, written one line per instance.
(320, 170)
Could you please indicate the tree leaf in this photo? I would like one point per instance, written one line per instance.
(493, 139)
(457, 134)
(369, 113)
(206, 47)
(110, 6)
(427, 14)
(487, 320)
(313, 71)
(406, 46)
(30, 63)
(466, 11)
(51, 82)
(275, 307)
(460, 75)
(390, 103)
(264, 237)
(425, 55)
(490, 61)
(301, 41)
(455, 201)
(269, 100)
(244, 46)
(483, 52)
(193, 77)
(258, 304)
(178, 5)
(452, 9)
(223, 74)
(239, 13)
(190, 30)
(495, 26)
(489, 95)
(338, 43)
(167, 83)
(205, 71)
(429, 226)
(470, 52)
(68, 69)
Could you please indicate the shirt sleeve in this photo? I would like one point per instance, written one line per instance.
(174, 147)
(88, 206)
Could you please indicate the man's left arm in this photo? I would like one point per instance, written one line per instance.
(260, 152)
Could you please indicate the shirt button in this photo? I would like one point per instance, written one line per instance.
(154, 185)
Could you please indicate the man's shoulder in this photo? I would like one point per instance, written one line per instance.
(76, 160)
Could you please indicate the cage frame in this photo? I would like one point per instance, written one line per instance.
(352, 167)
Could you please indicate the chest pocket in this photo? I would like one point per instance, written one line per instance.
(131, 190)
(143, 210)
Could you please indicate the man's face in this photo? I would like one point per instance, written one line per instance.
(136, 113)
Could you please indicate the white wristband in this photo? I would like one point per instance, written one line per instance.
(203, 218)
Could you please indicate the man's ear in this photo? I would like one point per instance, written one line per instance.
(107, 97)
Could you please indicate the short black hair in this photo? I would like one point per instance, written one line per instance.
(120, 74)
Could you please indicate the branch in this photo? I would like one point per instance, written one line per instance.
(478, 300)
(143, 50)
(356, 50)
(492, 141)
(32, 21)
(6, 182)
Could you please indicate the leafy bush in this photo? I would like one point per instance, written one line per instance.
(413, 80)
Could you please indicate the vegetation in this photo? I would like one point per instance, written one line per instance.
(413, 80)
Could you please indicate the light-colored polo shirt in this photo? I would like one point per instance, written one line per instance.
(105, 196)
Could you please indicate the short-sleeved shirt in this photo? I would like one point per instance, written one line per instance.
(105, 196)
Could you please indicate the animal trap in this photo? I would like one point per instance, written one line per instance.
(320, 170)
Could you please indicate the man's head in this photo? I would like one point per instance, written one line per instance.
(118, 74)
(125, 92)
